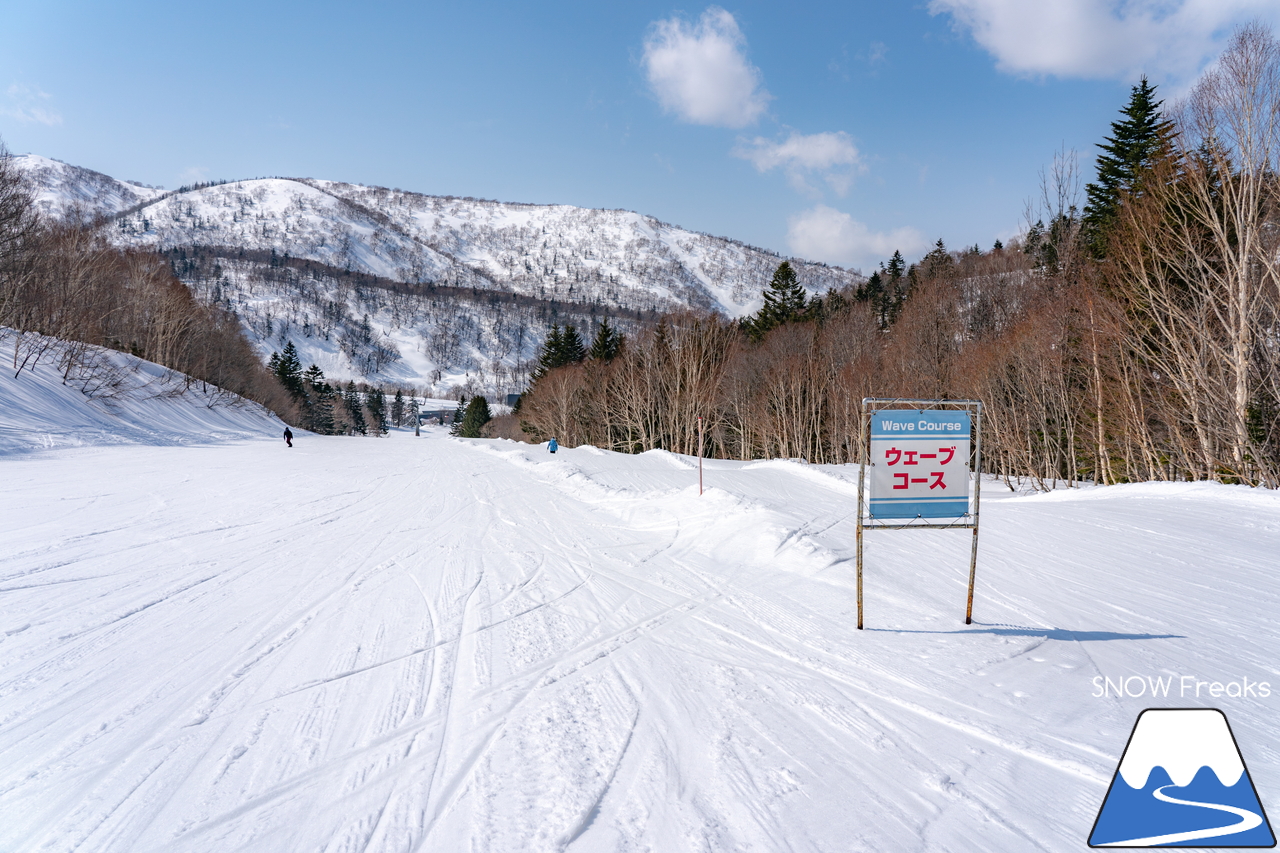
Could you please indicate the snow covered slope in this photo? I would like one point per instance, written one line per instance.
(113, 398)
(616, 257)
(290, 217)
(612, 257)
(435, 644)
(63, 190)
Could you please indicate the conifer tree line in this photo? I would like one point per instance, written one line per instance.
(331, 409)
(564, 346)
(1135, 336)
(64, 281)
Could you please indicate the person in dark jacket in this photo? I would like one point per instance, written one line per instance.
(288, 436)
(553, 446)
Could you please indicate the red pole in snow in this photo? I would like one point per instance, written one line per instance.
(699, 454)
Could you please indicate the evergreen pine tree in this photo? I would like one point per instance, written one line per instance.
(355, 409)
(607, 343)
(314, 375)
(816, 310)
(376, 403)
(572, 350)
(322, 420)
(561, 347)
(1035, 236)
(1135, 146)
(550, 356)
(476, 416)
(288, 369)
(871, 289)
(784, 301)
(833, 304)
(1045, 245)
(938, 262)
(397, 409)
(892, 292)
(896, 267)
(661, 345)
(321, 397)
(458, 414)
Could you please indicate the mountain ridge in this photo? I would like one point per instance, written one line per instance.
(577, 264)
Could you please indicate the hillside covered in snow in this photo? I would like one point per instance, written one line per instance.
(64, 191)
(73, 395)
(397, 286)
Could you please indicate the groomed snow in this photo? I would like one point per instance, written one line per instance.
(443, 645)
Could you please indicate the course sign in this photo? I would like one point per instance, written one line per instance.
(919, 464)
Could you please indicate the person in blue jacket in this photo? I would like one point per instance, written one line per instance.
(553, 446)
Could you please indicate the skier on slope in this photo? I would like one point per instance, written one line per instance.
(553, 446)
(288, 436)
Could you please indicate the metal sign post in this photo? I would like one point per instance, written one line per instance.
(699, 454)
(916, 453)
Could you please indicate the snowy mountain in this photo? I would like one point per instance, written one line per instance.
(614, 258)
(474, 283)
(63, 190)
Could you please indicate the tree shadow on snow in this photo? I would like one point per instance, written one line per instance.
(1047, 633)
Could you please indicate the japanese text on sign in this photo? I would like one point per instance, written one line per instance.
(919, 464)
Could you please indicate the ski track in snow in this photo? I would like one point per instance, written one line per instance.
(433, 644)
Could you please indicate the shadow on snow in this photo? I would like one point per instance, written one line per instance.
(1047, 633)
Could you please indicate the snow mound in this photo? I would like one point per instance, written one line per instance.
(109, 397)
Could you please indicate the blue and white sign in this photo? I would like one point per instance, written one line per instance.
(919, 464)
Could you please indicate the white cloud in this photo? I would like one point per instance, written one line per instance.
(826, 234)
(831, 154)
(29, 105)
(194, 174)
(701, 73)
(1170, 40)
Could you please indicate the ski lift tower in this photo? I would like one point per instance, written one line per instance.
(916, 455)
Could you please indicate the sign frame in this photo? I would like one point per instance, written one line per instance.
(967, 521)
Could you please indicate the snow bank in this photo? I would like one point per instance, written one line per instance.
(114, 398)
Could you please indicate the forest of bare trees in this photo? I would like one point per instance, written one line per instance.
(1133, 343)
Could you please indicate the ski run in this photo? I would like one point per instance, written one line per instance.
(212, 642)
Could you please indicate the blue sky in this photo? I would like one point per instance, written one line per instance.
(835, 131)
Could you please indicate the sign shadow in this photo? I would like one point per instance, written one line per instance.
(1047, 633)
